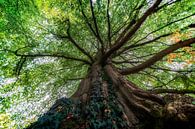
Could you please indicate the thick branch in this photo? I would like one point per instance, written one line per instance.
(155, 39)
(157, 57)
(192, 25)
(118, 44)
(175, 91)
(125, 61)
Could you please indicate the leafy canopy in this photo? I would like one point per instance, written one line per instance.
(46, 46)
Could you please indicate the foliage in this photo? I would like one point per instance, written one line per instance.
(33, 44)
(5, 121)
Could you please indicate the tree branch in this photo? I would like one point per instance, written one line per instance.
(171, 70)
(89, 24)
(96, 26)
(69, 37)
(58, 56)
(108, 22)
(80, 48)
(141, 44)
(174, 91)
(148, 74)
(48, 55)
(19, 65)
(86, 20)
(155, 39)
(162, 27)
(120, 42)
(128, 24)
(125, 61)
(157, 57)
(167, 4)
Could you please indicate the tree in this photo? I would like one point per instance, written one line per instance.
(122, 52)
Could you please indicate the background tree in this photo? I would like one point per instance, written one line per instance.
(123, 53)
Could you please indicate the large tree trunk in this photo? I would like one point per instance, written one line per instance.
(106, 100)
(119, 98)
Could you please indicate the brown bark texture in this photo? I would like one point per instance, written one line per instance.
(107, 100)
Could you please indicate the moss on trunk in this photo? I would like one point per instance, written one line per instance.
(106, 100)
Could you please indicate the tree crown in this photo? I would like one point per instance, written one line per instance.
(46, 47)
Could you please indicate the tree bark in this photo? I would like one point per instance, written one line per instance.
(106, 100)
